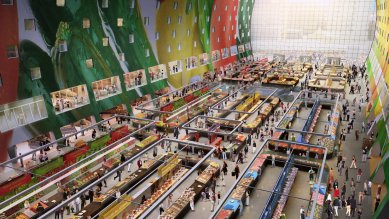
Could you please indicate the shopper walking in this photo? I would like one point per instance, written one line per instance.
(364, 154)
(236, 171)
(336, 205)
(353, 163)
(346, 174)
(348, 207)
(254, 147)
(359, 174)
(353, 204)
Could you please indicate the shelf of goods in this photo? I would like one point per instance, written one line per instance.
(312, 123)
(230, 105)
(207, 174)
(157, 194)
(148, 141)
(273, 199)
(285, 192)
(183, 201)
(318, 212)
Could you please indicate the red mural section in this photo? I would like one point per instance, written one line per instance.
(9, 67)
(223, 29)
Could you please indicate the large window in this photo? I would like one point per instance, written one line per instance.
(106, 88)
(22, 112)
(69, 98)
(339, 28)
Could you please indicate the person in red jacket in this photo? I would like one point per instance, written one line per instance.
(336, 192)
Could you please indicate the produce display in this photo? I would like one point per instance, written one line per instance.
(207, 174)
(258, 163)
(285, 192)
(147, 141)
(281, 80)
(223, 214)
(179, 204)
(149, 163)
(157, 194)
(312, 122)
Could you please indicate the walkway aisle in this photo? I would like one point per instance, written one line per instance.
(349, 148)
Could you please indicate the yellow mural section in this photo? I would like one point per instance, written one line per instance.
(381, 42)
(179, 38)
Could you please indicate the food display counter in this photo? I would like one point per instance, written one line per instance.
(157, 194)
(281, 80)
(182, 205)
(327, 84)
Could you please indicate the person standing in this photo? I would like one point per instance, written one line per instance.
(273, 160)
(369, 188)
(359, 174)
(336, 205)
(237, 171)
(346, 174)
(348, 207)
(161, 209)
(254, 147)
(191, 203)
(364, 154)
(302, 213)
(353, 204)
(224, 168)
(311, 173)
(353, 163)
(21, 160)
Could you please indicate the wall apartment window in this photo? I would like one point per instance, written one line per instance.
(105, 41)
(35, 73)
(85, 23)
(132, 4)
(169, 19)
(156, 35)
(120, 22)
(12, 51)
(60, 3)
(131, 38)
(29, 25)
(7, 2)
(104, 4)
(146, 20)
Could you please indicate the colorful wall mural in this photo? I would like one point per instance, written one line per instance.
(88, 52)
(378, 106)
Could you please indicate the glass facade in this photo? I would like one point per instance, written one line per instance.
(327, 27)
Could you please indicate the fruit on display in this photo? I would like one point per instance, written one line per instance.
(157, 194)
(207, 174)
(147, 141)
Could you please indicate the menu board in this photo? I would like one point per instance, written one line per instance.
(168, 166)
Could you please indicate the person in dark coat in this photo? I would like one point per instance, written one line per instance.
(90, 194)
(330, 211)
(353, 204)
